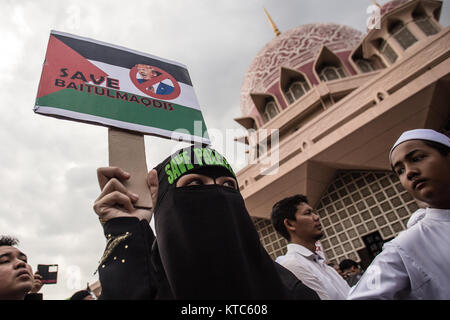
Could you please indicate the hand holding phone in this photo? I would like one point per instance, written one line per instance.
(48, 272)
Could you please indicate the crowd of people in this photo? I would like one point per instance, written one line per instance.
(204, 244)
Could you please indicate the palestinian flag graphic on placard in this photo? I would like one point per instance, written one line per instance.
(95, 82)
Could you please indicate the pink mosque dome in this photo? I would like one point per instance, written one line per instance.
(295, 49)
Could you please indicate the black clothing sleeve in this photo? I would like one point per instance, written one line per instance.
(125, 270)
(297, 289)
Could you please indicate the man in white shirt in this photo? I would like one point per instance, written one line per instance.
(296, 221)
(415, 265)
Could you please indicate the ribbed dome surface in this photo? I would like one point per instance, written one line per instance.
(293, 49)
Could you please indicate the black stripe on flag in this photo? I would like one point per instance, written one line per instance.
(122, 58)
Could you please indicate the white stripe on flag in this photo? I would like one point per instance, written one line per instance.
(187, 97)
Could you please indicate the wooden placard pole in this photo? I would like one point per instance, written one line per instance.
(127, 151)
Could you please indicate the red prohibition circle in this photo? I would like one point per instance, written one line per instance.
(163, 75)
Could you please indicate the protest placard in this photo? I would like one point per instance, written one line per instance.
(95, 82)
(91, 81)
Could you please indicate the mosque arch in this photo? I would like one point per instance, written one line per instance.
(424, 22)
(266, 105)
(293, 84)
(385, 49)
(328, 66)
(366, 65)
(401, 33)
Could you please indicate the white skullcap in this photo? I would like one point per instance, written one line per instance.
(421, 134)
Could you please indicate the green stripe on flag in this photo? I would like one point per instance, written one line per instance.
(133, 111)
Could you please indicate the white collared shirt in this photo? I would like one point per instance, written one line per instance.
(312, 270)
(415, 265)
(417, 215)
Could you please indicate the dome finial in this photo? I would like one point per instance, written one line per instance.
(274, 27)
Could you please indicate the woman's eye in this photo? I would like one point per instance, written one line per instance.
(195, 182)
(229, 183)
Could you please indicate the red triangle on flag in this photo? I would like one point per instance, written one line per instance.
(59, 56)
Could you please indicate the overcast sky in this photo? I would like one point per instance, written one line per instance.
(47, 166)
